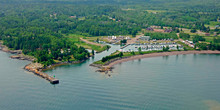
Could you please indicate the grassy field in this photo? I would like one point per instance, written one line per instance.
(212, 24)
(186, 46)
(76, 39)
(208, 38)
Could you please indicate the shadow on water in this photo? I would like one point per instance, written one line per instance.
(177, 56)
(166, 57)
(139, 61)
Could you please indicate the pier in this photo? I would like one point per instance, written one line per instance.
(34, 68)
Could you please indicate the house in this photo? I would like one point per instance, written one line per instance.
(168, 30)
(128, 38)
(121, 37)
(150, 29)
(72, 16)
(217, 26)
(114, 37)
(191, 42)
(207, 34)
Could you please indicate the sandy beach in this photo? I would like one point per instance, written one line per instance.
(111, 64)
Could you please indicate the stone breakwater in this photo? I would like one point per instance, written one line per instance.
(36, 69)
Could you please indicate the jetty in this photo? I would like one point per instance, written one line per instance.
(36, 69)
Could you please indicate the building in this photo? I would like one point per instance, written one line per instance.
(72, 16)
(168, 30)
(114, 37)
(128, 38)
(191, 42)
(150, 29)
(207, 34)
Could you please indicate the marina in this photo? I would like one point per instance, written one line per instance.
(150, 47)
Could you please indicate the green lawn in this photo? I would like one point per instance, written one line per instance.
(76, 39)
(208, 38)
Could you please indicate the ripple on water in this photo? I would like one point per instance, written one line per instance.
(167, 83)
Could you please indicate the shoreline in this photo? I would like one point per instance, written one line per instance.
(109, 65)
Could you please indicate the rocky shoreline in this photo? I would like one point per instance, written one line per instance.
(105, 68)
(35, 68)
(17, 54)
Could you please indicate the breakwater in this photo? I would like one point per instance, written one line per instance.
(35, 68)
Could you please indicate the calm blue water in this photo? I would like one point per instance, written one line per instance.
(184, 82)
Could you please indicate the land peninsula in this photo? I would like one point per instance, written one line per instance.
(108, 65)
(37, 66)
(54, 33)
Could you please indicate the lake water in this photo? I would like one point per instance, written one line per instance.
(183, 82)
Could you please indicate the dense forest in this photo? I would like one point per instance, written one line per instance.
(38, 27)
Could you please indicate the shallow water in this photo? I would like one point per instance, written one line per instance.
(183, 82)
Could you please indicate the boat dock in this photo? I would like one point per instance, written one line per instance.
(35, 69)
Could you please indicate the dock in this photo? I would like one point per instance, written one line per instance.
(35, 69)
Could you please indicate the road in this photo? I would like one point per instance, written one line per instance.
(92, 43)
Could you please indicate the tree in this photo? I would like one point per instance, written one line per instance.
(133, 53)
(198, 38)
(177, 47)
(193, 30)
(120, 54)
(139, 50)
(124, 41)
(184, 36)
(97, 40)
(134, 33)
(202, 46)
(177, 31)
(68, 58)
(93, 52)
(184, 48)
(165, 49)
